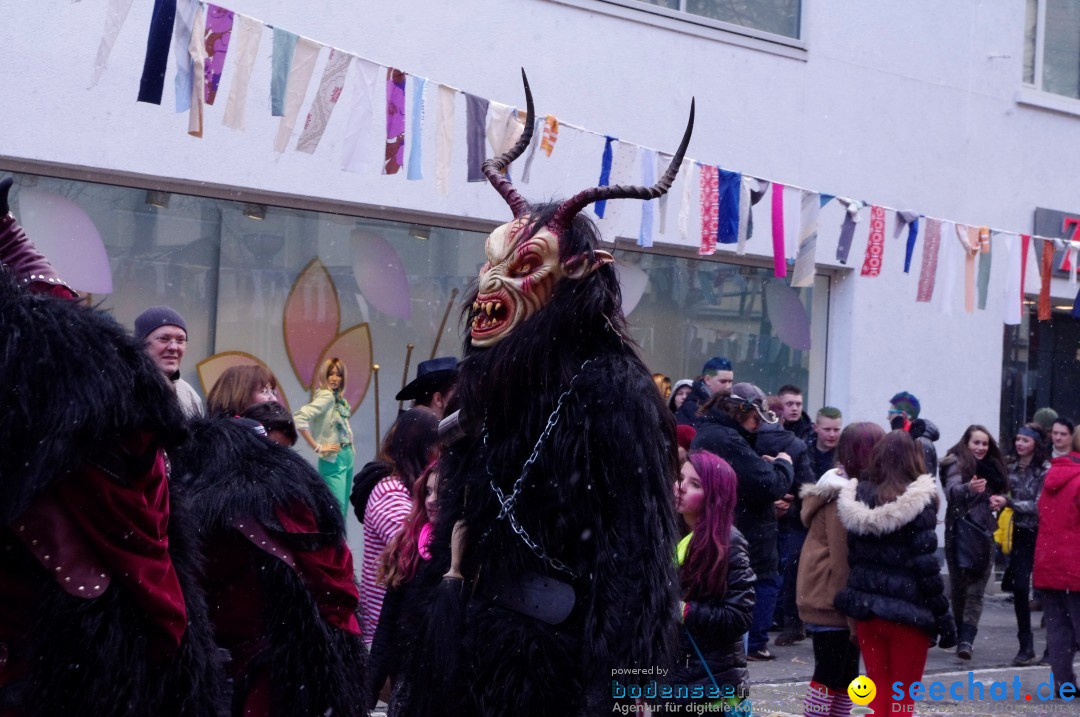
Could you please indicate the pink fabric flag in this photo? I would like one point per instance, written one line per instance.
(779, 261)
(710, 209)
(875, 245)
(326, 97)
(395, 121)
(219, 22)
(928, 273)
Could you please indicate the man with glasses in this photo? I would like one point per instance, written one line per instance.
(165, 335)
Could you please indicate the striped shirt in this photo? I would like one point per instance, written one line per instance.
(384, 516)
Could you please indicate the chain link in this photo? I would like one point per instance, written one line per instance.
(506, 503)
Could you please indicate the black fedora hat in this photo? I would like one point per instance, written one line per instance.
(432, 375)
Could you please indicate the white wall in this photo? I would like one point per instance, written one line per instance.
(908, 105)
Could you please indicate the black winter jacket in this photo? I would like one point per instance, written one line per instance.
(760, 483)
(717, 626)
(687, 413)
(771, 440)
(895, 574)
(802, 428)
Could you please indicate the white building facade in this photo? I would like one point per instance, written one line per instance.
(963, 111)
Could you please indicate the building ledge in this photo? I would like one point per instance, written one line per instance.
(1031, 97)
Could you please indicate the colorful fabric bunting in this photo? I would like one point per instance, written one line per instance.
(779, 260)
(710, 214)
(247, 34)
(416, 130)
(911, 221)
(476, 109)
(185, 18)
(648, 210)
(928, 273)
(686, 171)
(1014, 297)
(605, 174)
(1046, 273)
(395, 121)
(551, 134)
(356, 156)
(803, 273)
(852, 207)
(281, 65)
(1025, 244)
(326, 98)
(157, 51)
(624, 157)
(951, 257)
(115, 16)
(197, 50)
(526, 171)
(300, 72)
(219, 24)
(983, 280)
(969, 239)
(444, 138)
(662, 162)
(875, 244)
(729, 201)
(752, 192)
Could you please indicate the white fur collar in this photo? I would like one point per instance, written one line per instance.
(828, 485)
(861, 519)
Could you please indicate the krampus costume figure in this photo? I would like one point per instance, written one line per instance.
(279, 575)
(100, 609)
(563, 481)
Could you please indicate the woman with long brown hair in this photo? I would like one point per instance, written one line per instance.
(323, 423)
(895, 591)
(975, 479)
(823, 572)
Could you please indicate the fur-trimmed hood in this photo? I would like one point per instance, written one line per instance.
(815, 496)
(862, 519)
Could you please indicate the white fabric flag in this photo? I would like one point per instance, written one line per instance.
(300, 72)
(951, 267)
(197, 50)
(663, 161)
(185, 19)
(246, 36)
(688, 173)
(444, 138)
(749, 186)
(803, 273)
(623, 158)
(1013, 299)
(356, 157)
(114, 20)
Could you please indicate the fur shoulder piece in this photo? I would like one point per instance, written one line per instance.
(861, 519)
(828, 486)
(226, 471)
(72, 381)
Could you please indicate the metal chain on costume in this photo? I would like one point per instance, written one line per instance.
(507, 502)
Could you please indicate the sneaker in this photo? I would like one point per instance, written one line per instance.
(789, 638)
(1024, 658)
(760, 655)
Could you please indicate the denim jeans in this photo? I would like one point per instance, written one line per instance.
(766, 592)
(790, 544)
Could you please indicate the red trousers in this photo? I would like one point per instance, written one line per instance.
(892, 652)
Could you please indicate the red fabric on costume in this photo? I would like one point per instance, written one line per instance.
(126, 525)
(1056, 568)
(892, 652)
(328, 571)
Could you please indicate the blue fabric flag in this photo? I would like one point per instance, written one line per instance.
(605, 174)
(727, 225)
(648, 178)
(913, 234)
(157, 51)
(416, 153)
(1076, 306)
(284, 47)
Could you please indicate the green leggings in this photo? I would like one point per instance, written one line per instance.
(338, 475)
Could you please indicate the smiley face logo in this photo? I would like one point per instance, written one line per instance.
(862, 690)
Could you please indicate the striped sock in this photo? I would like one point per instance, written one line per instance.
(841, 706)
(819, 703)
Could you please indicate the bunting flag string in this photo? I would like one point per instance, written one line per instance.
(648, 178)
(710, 211)
(875, 245)
(779, 260)
(114, 20)
(202, 36)
(1047, 267)
(928, 273)
(803, 273)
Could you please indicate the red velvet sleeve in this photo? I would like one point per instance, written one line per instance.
(127, 527)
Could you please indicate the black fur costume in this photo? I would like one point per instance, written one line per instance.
(598, 499)
(74, 387)
(232, 476)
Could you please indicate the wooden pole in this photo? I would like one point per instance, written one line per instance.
(405, 376)
(378, 432)
(442, 326)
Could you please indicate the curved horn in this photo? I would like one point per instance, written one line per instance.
(569, 209)
(493, 168)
